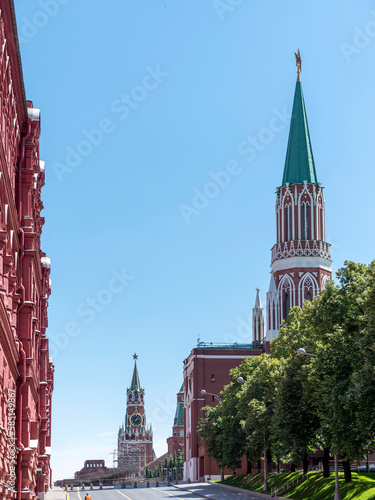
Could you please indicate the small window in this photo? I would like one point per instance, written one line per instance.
(308, 296)
(213, 379)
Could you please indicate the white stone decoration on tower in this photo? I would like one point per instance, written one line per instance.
(258, 319)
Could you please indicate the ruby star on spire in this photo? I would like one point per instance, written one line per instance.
(135, 356)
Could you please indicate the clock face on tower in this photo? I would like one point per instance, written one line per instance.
(136, 419)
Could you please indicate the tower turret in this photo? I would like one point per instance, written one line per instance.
(301, 258)
(258, 319)
(176, 441)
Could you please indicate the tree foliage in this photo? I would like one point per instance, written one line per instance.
(291, 406)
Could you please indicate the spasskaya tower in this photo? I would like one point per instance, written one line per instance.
(134, 448)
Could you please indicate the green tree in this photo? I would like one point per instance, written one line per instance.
(257, 399)
(340, 321)
(295, 422)
(220, 428)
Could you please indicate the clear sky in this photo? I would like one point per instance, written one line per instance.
(143, 103)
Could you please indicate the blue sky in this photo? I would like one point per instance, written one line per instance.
(143, 106)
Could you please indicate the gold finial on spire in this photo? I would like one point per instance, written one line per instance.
(298, 64)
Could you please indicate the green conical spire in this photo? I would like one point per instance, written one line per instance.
(299, 162)
(135, 385)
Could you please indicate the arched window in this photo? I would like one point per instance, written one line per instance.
(213, 379)
(286, 305)
(305, 221)
(288, 222)
(308, 296)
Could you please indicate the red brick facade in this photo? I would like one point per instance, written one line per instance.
(207, 368)
(301, 259)
(26, 370)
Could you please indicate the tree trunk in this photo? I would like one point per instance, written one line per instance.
(347, 471)
(248, 466)
(326, 462)
(292, 468)
(305, 464)
(259, 467)
(278, 466)
(269, 461)
(265, 482)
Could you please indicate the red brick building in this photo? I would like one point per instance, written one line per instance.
(176, 441)
(26, 370)
(207, 369)
(300, 268)
(135, 439)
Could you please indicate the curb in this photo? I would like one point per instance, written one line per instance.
(255, 493)
(233, 488)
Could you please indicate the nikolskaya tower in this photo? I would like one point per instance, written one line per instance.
(301, 258)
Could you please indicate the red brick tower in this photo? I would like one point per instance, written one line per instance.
(176, 441)
(135, 448)
(301, 258)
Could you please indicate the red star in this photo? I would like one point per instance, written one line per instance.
(135, 356)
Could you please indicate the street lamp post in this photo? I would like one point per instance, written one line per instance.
(301, 352)
(205, 393)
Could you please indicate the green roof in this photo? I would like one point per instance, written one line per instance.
(135, 385)
(212, 345)
(299, 162)
(179, 415)
(182, 388)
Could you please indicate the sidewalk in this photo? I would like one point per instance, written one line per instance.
(216, 491)
(55, 494)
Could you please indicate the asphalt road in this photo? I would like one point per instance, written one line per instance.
(196, 492)
(161, 493)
